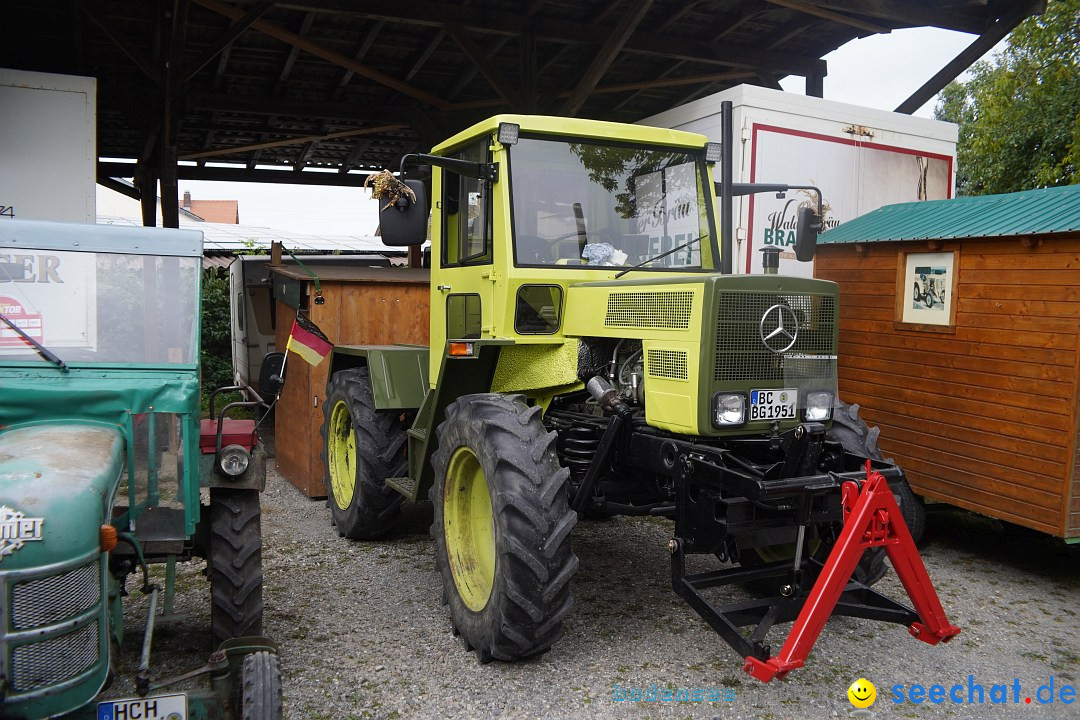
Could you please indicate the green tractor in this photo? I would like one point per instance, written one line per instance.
(104, 467)
(591, 354)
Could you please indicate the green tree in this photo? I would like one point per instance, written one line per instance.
(1019, 115)
(216, 356)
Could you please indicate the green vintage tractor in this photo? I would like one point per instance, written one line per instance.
(104, 468)
(592, 355)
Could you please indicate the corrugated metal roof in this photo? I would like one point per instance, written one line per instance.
(1032, 212)
(223, 237)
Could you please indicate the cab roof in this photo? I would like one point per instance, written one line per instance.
(576, 127)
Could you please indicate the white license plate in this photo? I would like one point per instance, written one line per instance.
(773, 404)
(161, 707)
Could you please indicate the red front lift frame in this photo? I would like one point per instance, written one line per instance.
(871, 519)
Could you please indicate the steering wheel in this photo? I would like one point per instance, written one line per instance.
(536, 249)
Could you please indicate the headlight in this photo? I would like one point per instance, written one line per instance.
(729, 409)
(818, 406)
(234, 460)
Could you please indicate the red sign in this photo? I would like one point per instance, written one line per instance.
(29, 323)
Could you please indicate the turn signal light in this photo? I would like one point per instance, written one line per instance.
(108, 538)
(461, 348)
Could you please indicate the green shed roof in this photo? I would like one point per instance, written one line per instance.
(1032, 212)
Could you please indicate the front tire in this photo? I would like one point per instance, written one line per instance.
(260, 687)
(235, 563)
(502, 527)
(362, 447)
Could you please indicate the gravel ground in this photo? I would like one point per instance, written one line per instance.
(363, 634)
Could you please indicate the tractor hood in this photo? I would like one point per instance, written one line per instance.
(56, 484)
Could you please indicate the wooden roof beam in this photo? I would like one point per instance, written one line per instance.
(905, 13)
(365, 45)
(292, 141)
(359, 148)
(305, 156)
(970, 54)
(425, 54)
(223, 63)
(628, 23)
(294, 52)
(133, 53)
(811, 9)
(226, 38)
(485, 67)
(726, 24)
(562, 31)
(385, 114)
(279, 33)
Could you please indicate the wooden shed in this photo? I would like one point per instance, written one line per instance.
(960, 339)
(363, 306)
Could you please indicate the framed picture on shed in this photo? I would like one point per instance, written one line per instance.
(926, 296)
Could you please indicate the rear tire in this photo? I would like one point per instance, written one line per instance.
(260, 687)
(235, 564)
(852, 432)
(502, 527)
(362, 447)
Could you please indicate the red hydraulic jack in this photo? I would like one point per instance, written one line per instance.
(871, 519)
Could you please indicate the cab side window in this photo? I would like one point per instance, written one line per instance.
(467, 225)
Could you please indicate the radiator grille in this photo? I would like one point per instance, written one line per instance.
(741, 356)
(49, 662)
(668, 364)
(668, 310)
(55, 598)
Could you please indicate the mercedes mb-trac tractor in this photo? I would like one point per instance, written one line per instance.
(591, 354)
(104, 464)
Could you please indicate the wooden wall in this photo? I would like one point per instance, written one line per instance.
(984, 417)
(357, 311)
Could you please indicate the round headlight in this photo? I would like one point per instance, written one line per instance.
(234, 460)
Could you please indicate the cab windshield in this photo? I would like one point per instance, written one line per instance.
(585, 204)
(108, 308)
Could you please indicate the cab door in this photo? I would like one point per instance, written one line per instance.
(461, 302)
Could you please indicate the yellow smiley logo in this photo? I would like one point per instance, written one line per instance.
(862, 693)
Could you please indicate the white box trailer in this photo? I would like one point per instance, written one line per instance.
(48, 146)
(861, 158)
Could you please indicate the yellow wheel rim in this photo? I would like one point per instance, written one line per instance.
(341, 455)
(469, 529)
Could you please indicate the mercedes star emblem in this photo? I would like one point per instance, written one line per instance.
(778, 328)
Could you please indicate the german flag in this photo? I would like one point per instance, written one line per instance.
(308, 341)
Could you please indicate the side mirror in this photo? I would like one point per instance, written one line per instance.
(271, 377)
(405, 222)
(806, 234)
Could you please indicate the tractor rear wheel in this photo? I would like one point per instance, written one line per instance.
(362, 447)
(502, 527)
(260, 687)
(235, 564)
(852, 432)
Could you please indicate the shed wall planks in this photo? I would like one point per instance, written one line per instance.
(983, 416)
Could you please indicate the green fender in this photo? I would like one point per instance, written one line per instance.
(399, 373)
